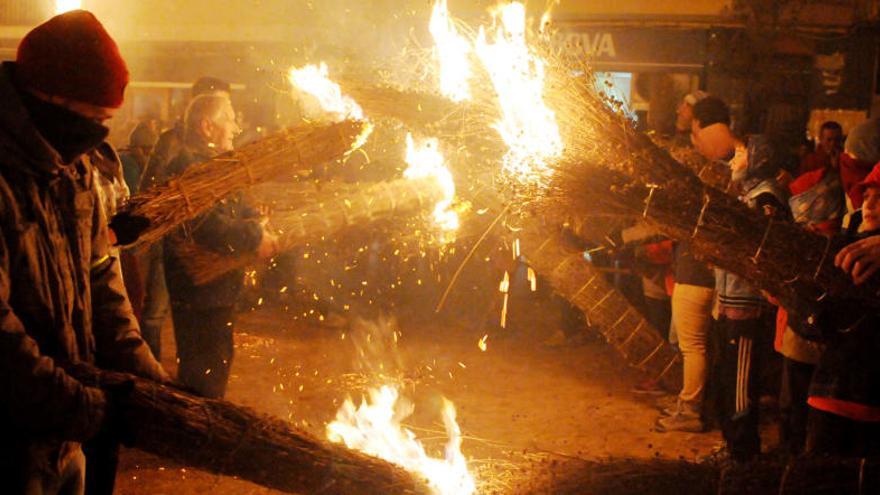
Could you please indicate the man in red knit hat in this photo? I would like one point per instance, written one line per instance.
(62, 300)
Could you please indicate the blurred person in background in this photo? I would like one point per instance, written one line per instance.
(817, 202)
(684, 115)
(61, 291)
(169, 145)
(860, 152)
(204, 315)
(135, 157)
(134, 160)
(827, 151)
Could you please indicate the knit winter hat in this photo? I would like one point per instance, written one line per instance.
(863, 141)
(872, 180)
(72, 56)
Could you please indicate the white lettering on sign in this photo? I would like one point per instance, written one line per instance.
(593, 44)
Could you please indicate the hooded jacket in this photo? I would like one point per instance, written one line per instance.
(62, 299)
(759, 189)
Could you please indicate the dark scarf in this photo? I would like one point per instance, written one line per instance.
(69, 133)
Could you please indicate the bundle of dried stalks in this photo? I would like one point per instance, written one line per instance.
(427, 113)
(561, 263)
(279, 196)
(224, 438)
(326, 215)
(605, 308)
(612, 168)
(161, 209)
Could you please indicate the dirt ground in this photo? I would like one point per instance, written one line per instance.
(519, 403)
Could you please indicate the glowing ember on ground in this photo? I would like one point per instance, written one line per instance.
(527, 126)
(425, 160)
(452, 52)
(314, 80)
(375, 429)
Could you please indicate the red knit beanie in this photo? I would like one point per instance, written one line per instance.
(72, 56)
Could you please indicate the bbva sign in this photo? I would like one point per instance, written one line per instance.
(596, 44)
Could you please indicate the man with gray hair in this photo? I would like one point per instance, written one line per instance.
(168, 146)
(203, 315)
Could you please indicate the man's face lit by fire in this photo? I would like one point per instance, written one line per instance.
(221, 131)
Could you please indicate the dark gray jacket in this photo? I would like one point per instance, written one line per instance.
(62, 299)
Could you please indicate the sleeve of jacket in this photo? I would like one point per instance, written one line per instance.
(35, 393)
(117, 334)
(165, 150)
(225, 232)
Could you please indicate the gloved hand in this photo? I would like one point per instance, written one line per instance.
(127, 227)
(117, 422)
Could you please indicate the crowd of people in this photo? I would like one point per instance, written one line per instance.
(731, 334)
(64, 301)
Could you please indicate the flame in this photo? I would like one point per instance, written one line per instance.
(375, 428)
(425, 160)
(452, 52)
(527, 126)
(62, 6)
(314, 81)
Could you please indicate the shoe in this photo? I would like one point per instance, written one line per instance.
(683, 420)
(667, 405)
(649, 387)
(720, 455)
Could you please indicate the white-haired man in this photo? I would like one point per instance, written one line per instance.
(203, 315)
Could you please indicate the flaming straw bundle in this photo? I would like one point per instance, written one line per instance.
(314, 80)
(528, 126)
(228, 439)
(613, 168)
(607, 166)
(196, 190)
(427, 182)
(325, 215)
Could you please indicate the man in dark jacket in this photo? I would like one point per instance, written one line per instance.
(62, 301)
(203, 315)
(169, 145)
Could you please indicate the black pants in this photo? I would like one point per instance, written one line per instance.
(839, 436)
(658, 312)
(102, 459)
(204, 348)
(743, 345)
(793, 408)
